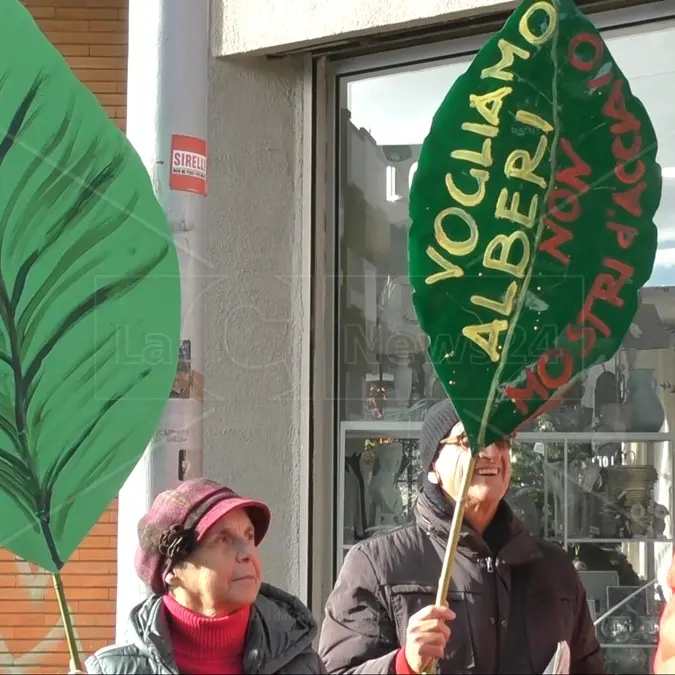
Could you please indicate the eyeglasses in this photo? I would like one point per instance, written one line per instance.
(462, 441)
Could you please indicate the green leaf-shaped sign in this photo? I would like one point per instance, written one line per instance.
(532, 218)
(89, 301)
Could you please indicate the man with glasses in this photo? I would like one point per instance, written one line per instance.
(512, 600)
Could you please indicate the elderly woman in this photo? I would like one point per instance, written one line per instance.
(209, 611)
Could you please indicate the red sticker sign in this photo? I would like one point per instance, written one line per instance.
(188, 164)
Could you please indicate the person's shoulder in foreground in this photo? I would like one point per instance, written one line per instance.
(664, 661)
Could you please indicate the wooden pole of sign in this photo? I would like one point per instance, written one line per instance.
(75, 661)
(453, 539)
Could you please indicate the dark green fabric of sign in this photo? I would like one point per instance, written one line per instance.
(89, 301)
(532, 218)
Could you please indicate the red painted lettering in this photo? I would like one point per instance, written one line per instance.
(586, 335)
(630, 178)
(549, 405)
(563, 204)
(552, 245)
(543, 368)
(585, 39)
(624, 154)
(630, 199)
(606, 287)
(624, 234)
(615, 107)
(520, 395)
(586, 316)
(571, 176)
(560, 198)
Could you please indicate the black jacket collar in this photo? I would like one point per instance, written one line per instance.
(505, 537)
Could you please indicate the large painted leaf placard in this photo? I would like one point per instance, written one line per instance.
(89, 301)
(532, 218)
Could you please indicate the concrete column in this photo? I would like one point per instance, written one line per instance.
(167, 124)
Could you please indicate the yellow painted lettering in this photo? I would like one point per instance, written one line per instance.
(490, 105)
(512, 213)
(482, 158)
(493, 330)
(503, 307)
(520, 164)
(481, 129)
(450, 271)
(468, 199)
(551, 26)
(458, 248)
(504, 244)
(533, 120)
(509, 52)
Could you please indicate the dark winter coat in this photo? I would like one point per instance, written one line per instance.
(278, 640)
(514, 600)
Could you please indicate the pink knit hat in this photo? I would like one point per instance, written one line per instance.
(177, 521)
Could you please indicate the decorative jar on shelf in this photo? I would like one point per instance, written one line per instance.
(646, 412)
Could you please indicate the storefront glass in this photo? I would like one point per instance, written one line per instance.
(595, 474)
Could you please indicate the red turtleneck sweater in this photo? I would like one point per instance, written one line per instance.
(206, 646)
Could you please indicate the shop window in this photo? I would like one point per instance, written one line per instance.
(595, 474)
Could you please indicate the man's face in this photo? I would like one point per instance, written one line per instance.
(492, 473)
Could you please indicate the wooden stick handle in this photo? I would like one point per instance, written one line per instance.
(67, 623)
(453, 540)
(453, 536)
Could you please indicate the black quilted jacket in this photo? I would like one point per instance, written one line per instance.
(278, 640)
(512, 606)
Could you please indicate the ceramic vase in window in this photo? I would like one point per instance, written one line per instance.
(646, 412)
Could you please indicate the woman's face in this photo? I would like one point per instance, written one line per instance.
(224, 573)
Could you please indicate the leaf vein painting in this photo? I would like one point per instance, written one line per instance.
(532, 218)
(89, 302)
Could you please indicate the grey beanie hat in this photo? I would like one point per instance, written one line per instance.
(438, 423)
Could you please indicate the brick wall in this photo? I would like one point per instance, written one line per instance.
(31, 640)
(92, 35)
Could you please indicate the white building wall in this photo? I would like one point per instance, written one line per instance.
(258, 26)
(256, 302)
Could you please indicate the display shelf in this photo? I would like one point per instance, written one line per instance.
(379, 428)
(633, 540)
(412, 429)
(572, 542)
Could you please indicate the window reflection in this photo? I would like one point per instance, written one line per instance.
(595, 473)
